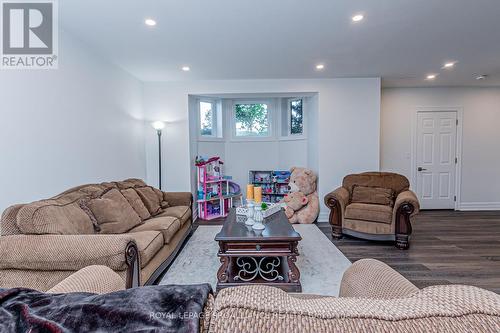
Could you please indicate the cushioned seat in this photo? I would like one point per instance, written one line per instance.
(148, 244)
(183, 213)
(167, 225)
(369, 212)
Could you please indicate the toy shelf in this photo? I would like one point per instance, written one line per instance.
(215, 192)
(274, 183)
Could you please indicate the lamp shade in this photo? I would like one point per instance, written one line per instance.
(158, 125)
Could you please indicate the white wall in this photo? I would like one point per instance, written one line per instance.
(70, 126)
(348, 132)
(480, 144)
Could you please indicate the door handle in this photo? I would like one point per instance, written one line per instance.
(421, 169)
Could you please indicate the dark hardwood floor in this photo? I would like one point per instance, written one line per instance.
(446, 247)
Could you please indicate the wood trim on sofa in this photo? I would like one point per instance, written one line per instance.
(335, 218)
(403, 225)
(132, 259)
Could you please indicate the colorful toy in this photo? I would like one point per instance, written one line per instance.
(274, 184)
(215, 192)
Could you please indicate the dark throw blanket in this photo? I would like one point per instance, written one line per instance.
(172, 308)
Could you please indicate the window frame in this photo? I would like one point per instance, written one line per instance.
(289, 135)
(270, 118)
(215, 136)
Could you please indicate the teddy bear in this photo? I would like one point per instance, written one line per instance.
(294, 202)
(303, 182)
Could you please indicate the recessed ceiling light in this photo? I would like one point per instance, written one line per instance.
(431, 76)
(357, 18)
(150, 22)
(449, 65)
(320, 67)
(186, 68)
(481, 77)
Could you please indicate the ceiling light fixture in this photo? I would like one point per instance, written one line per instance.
(186, 68)
(481, 77)
(449, 65)
(357, 18)
(150, 22)
(431, 76)
(320, 67)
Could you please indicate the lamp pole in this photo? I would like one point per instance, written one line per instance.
(159, 158)
(158, 126)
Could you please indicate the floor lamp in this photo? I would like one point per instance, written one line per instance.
(158, 126)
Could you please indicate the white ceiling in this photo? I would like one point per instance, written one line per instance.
(399, 40)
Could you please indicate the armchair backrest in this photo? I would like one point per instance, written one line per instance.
(398, 183)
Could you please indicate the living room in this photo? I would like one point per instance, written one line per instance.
(393, 162)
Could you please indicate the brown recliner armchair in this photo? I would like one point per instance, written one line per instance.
(375, 206)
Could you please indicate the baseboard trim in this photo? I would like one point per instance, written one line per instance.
(470, 206)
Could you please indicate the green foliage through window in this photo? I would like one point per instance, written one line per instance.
(206, 118)
(251, 119)
(296, 117)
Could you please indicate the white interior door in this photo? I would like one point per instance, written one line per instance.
(436, 159)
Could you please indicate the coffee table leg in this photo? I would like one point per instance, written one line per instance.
(293, 273)
(222, 273)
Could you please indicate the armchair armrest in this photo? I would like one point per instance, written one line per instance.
(178, 198)
(370, 278)
(407, 197)
(405, 206)
(91, 279)
(337, 202)
(341, 194)
(71, 253)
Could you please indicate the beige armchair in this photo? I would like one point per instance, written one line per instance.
(375, 206)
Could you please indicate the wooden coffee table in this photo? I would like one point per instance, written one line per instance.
(266, 259)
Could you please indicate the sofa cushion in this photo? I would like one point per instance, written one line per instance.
(113, 213)
(148, 244)
(150, 199)
(61, 216)
(168, 226)
(369, 212)
(394, 181)
(135, 201)
(372, 195)
(183, 213)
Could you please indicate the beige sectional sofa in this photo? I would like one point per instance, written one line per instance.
(130, 227)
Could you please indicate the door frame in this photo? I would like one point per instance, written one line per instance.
(413, 155)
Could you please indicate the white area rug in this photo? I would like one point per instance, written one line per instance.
(320, 263)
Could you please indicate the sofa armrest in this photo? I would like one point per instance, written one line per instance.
(178, 198)
(407, 197)
(337, 202)
(258, 308)
(341, 195)
(71, 253)
(91, 279)
(405, 206)
(370, 278)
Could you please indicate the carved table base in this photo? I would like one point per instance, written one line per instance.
(267, 263)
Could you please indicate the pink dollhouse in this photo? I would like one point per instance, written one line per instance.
(215, 192)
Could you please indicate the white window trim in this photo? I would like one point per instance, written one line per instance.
(215, 136)
(271, 110)
(290, 136)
